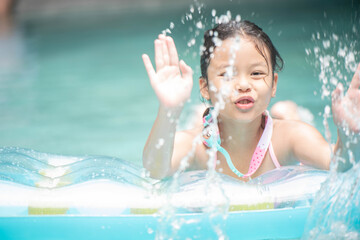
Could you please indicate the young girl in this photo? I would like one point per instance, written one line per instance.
(238, 67)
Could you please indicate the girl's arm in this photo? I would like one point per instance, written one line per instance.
(173, 89)
(346, 112)
(308, 145)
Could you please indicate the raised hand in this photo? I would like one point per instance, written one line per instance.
(172, 81)
(346, 108)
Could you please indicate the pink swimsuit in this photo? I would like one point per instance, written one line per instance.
(211, 138)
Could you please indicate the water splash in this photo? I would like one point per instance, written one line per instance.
(335, 213)
(51, 171)
(334, 58)
(196, 21)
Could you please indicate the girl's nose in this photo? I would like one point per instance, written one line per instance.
(242, 84)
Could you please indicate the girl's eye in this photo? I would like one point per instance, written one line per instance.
(225, 76)
(258, 74)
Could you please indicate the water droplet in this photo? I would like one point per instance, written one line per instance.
(350, 61)
(342, 52)
(217, 41)
(326, 44)
(327, 109)
(192, 9)
(164, 32)
(223, 18)
(316, 50)
(333, 81)
(213, 12)
(172, 25)
(189, 17)
(228, 13)
(160, 143)
(191, 42)
(335, 37)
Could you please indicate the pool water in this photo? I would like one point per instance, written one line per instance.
(75, 82)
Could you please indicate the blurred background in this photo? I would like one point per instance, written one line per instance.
(72, 80)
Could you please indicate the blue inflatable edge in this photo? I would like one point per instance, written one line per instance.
(288, 223)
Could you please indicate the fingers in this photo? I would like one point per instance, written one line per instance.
(174, 58)
(355, 82)
(165, 50)
(165, 55)
(159, 59)
(185, 70)
(149, 67)
(337, 93)
(162, 52)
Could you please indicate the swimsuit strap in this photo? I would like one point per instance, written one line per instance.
(273, 156)
(211, 138)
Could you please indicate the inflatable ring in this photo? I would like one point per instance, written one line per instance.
(46, 196)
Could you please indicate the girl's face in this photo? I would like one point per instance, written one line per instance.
(240, 79)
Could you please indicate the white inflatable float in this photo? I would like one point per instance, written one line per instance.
(45, 196)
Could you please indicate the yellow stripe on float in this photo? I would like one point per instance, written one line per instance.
(247, 207)
(146, 211)
(46, 211)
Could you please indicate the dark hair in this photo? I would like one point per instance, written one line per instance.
(242, 28)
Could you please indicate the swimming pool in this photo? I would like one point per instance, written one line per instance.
(77, 85)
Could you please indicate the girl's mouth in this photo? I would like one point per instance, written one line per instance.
(246, 102)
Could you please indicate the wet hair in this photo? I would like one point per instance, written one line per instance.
(245, 29)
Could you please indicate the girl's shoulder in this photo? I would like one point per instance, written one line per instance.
(291, 128)
(282, 127)
(285, 133)
(298, 140)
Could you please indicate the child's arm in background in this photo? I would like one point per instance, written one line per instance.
(346, 113)
(173, 89)
(307, 144)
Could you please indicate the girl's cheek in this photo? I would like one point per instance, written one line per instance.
(226, 90)
(221, 93)
(213, 89)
